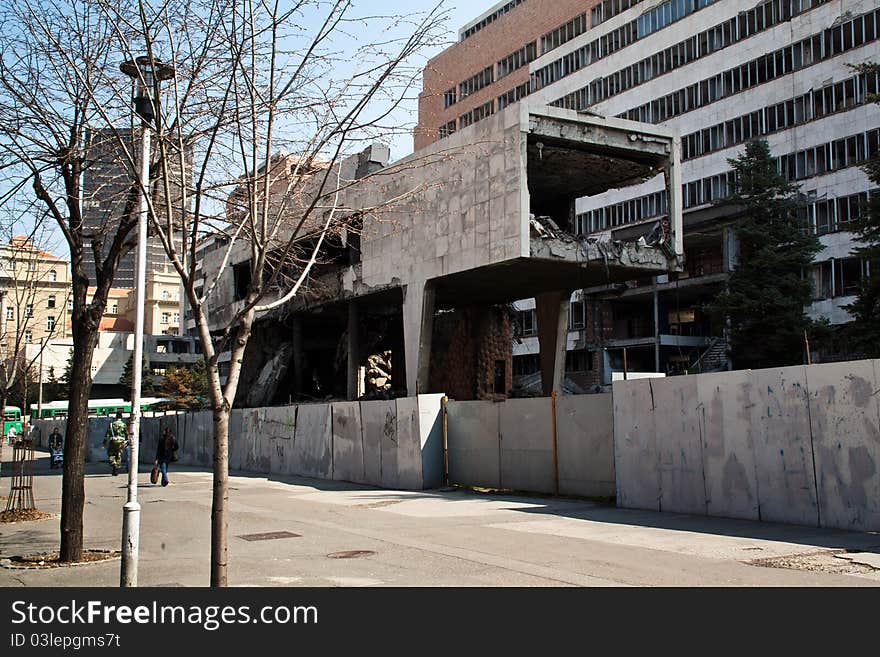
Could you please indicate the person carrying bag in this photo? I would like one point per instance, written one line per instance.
(165, 454)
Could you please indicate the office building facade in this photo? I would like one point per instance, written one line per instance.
(718, 72)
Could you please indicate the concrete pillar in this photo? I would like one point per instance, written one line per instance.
(299, 360)
(354, 344)
(657, 339)
(398, 356)
(418, 330)
(676, 198)
(553, 309)
(730, 249)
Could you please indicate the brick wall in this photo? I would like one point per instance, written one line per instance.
(526, 23)
(467, 343)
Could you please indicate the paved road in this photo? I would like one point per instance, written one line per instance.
(423, 539)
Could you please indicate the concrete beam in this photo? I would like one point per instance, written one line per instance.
(553, 309)
(676, 197)
(354, 355)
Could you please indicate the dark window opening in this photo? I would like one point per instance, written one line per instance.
(579, 361)
(500, 377)
(242, 274)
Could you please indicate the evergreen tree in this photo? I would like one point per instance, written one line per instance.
(864, 332)
(63, 389)
(147, 387)
(769, 289)
(52, 386)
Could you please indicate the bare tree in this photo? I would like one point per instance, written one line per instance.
(285, 105)
(62, 98)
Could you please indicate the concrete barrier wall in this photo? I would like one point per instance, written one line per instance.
(509, 445)
(392, 444)
(797, 445)
(585, 437)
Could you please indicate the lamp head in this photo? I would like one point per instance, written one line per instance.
(147, 73)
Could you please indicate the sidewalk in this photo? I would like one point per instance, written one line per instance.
(422, 539)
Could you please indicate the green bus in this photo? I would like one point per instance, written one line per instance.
(97, 407)
(12, 420)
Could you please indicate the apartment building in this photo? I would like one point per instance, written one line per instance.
(718, 72)
(161, 306)
(35, 291)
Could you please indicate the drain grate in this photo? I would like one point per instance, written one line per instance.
(351, 554)
(269, 536)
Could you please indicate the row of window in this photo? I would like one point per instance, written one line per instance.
(50, 320)
(476, 114)
(579, 360)
(512, 96)
(811, 106)
(836, 214)
(528, 319)
(609, 9)
(604, 46)
(841, 277)
(564, 33)
(626, 212)
(474, 84)
(667, 13)
(491, 18)
(819, 47)
(815, 161)
(29, 308)
(718, 37)
(729, 32)
(831, 156)
(515, 61)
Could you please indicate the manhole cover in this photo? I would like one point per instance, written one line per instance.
(351, 554)
(268, 536)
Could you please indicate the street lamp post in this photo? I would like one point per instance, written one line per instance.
(147, 73)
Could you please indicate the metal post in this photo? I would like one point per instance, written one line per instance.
(444, 402)
(131, 514)
(554, 399)
(40, 396)
(625, 366)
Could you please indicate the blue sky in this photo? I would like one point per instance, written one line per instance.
(459, 12)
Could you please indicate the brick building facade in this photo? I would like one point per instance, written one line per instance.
(490, 62)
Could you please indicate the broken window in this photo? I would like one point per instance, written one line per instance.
(822, 281)
(242, 279)
(528, 322)
(526, 365)
(579, 361)
(847, 277)
(577, 316)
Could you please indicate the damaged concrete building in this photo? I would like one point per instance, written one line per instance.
(419, 299)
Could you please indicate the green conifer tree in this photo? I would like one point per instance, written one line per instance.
(767, 293)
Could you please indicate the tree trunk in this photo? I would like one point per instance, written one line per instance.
(2, 424)
(76, 442)
(219, 524)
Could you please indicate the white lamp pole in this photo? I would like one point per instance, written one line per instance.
(147, 73)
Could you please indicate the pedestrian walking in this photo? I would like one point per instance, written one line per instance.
(115, 442)
(56, 448)
(166, 453)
